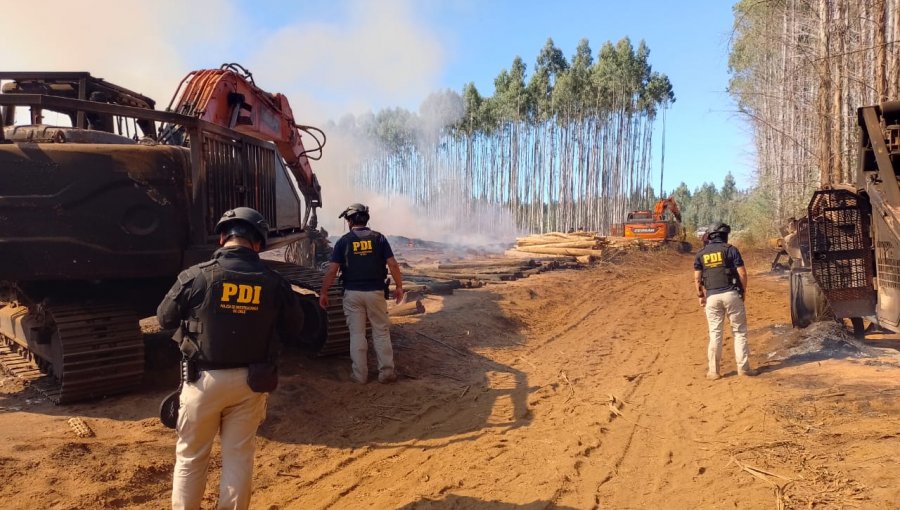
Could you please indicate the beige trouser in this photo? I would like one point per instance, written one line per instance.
(718, 306)
(358, 305)
(219, 401)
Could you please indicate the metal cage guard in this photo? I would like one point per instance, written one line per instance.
(840, 249)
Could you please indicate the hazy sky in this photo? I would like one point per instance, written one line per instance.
(340, 56)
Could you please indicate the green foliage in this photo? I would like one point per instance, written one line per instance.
(567, 145)
(755, 211)
(621, 79)
(395, 129)
(708, 205)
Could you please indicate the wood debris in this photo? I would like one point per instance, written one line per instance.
(80, 428)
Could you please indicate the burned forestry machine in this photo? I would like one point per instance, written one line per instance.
(847, 262)
(98, 217)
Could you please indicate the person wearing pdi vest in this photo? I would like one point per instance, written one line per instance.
(229, 312)
(721, 282)
(363, 257)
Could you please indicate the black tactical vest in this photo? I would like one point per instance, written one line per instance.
(238, 315)
(717, 273)
(363, 258)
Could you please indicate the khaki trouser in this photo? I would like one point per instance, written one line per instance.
(358, 305)
(219, 401)
(718, 306)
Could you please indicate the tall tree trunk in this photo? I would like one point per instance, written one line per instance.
(893, 88)
(823, 102)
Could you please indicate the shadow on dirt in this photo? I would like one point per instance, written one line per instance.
(446, 390)
(455, 502)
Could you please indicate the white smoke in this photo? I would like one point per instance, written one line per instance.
(373, 55)
(379, 54)
(139, 45)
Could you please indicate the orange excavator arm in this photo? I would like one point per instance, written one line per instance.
(229, 97)
(659, 209)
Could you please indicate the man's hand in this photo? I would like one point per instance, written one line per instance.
(398, 294)
(330, 275)
(702, 300)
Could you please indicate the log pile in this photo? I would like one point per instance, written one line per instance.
(443, 278)
(532, 255)
(587, 246)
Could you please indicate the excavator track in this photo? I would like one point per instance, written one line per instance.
(333, 336)
(93, 351)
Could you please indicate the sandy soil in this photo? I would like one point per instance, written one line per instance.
(567, 390)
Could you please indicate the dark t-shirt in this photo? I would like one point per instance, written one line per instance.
(338, 256)
(732, 260)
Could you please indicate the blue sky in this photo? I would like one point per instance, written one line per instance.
(340, 56)
(705, 139)
(688, 41)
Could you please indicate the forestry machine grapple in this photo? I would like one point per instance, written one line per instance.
(97, 218)
(846, 252)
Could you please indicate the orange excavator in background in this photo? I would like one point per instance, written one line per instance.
(662, 224)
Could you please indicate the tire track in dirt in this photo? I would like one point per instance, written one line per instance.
(516, 414)
(600, 325)
(634, 362)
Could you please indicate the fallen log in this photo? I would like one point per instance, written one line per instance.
(442, 289)
(504, 276)
(532, 272)
(580, 233)
(404, 309)
(574, 252)
(486, 263)
(410, 287)
(564, 244)
(412, 295)
(544, 258)
(457, 273)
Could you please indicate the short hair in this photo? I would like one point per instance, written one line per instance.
(243, 230)
(360, 218)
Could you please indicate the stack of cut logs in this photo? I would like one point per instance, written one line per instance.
(584, 246)
(443, 278)
(532, 254)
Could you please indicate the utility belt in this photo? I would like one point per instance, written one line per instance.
(191, 367)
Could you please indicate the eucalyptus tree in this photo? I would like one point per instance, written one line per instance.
(568, 146)
(799, 69)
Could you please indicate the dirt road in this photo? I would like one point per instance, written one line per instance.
(567, 390)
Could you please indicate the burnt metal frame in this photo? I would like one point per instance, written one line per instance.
(199, 238)
(840, 250)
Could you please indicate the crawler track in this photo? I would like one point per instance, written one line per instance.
(332, 336)
(94, 351)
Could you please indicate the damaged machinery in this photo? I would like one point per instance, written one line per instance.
(851, 236)
(97, 218)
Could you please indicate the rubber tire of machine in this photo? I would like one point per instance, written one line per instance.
(859, 328)
(808, 303)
